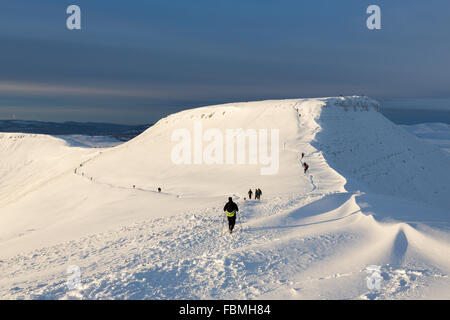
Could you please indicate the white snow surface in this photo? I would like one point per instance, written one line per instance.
(374, 195)
(81, 140)
(437, 134)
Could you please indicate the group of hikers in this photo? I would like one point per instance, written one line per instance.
(258, 194)
(231, 208)
(304, 164)
(134, 186)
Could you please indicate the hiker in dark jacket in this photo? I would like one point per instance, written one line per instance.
(258, 194)
(231, 209)
(306, 166)
(250, 192)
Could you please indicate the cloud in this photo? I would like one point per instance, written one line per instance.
(67, 90)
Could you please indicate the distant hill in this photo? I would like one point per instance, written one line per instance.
(116, 131)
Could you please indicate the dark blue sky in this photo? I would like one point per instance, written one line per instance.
(136, 61)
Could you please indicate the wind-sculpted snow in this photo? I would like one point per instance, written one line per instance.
(365, 222)
(378, 156)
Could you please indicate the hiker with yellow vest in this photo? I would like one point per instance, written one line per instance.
(231, 209)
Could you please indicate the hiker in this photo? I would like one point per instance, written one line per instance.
(159, 189)
(231, 209)
(306, 166)
(250, 192)
(258, 194)
(303, 154)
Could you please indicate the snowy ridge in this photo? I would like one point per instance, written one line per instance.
(376, 155)
(31, 160)
(366, 200)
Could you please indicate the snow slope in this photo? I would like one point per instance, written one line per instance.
(29, 161)
(80, 140)
(377, 155)
(374, 195)
(437, 134)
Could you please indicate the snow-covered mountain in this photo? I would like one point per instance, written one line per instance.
(374, 195)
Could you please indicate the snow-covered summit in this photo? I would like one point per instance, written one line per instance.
(349, 133)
